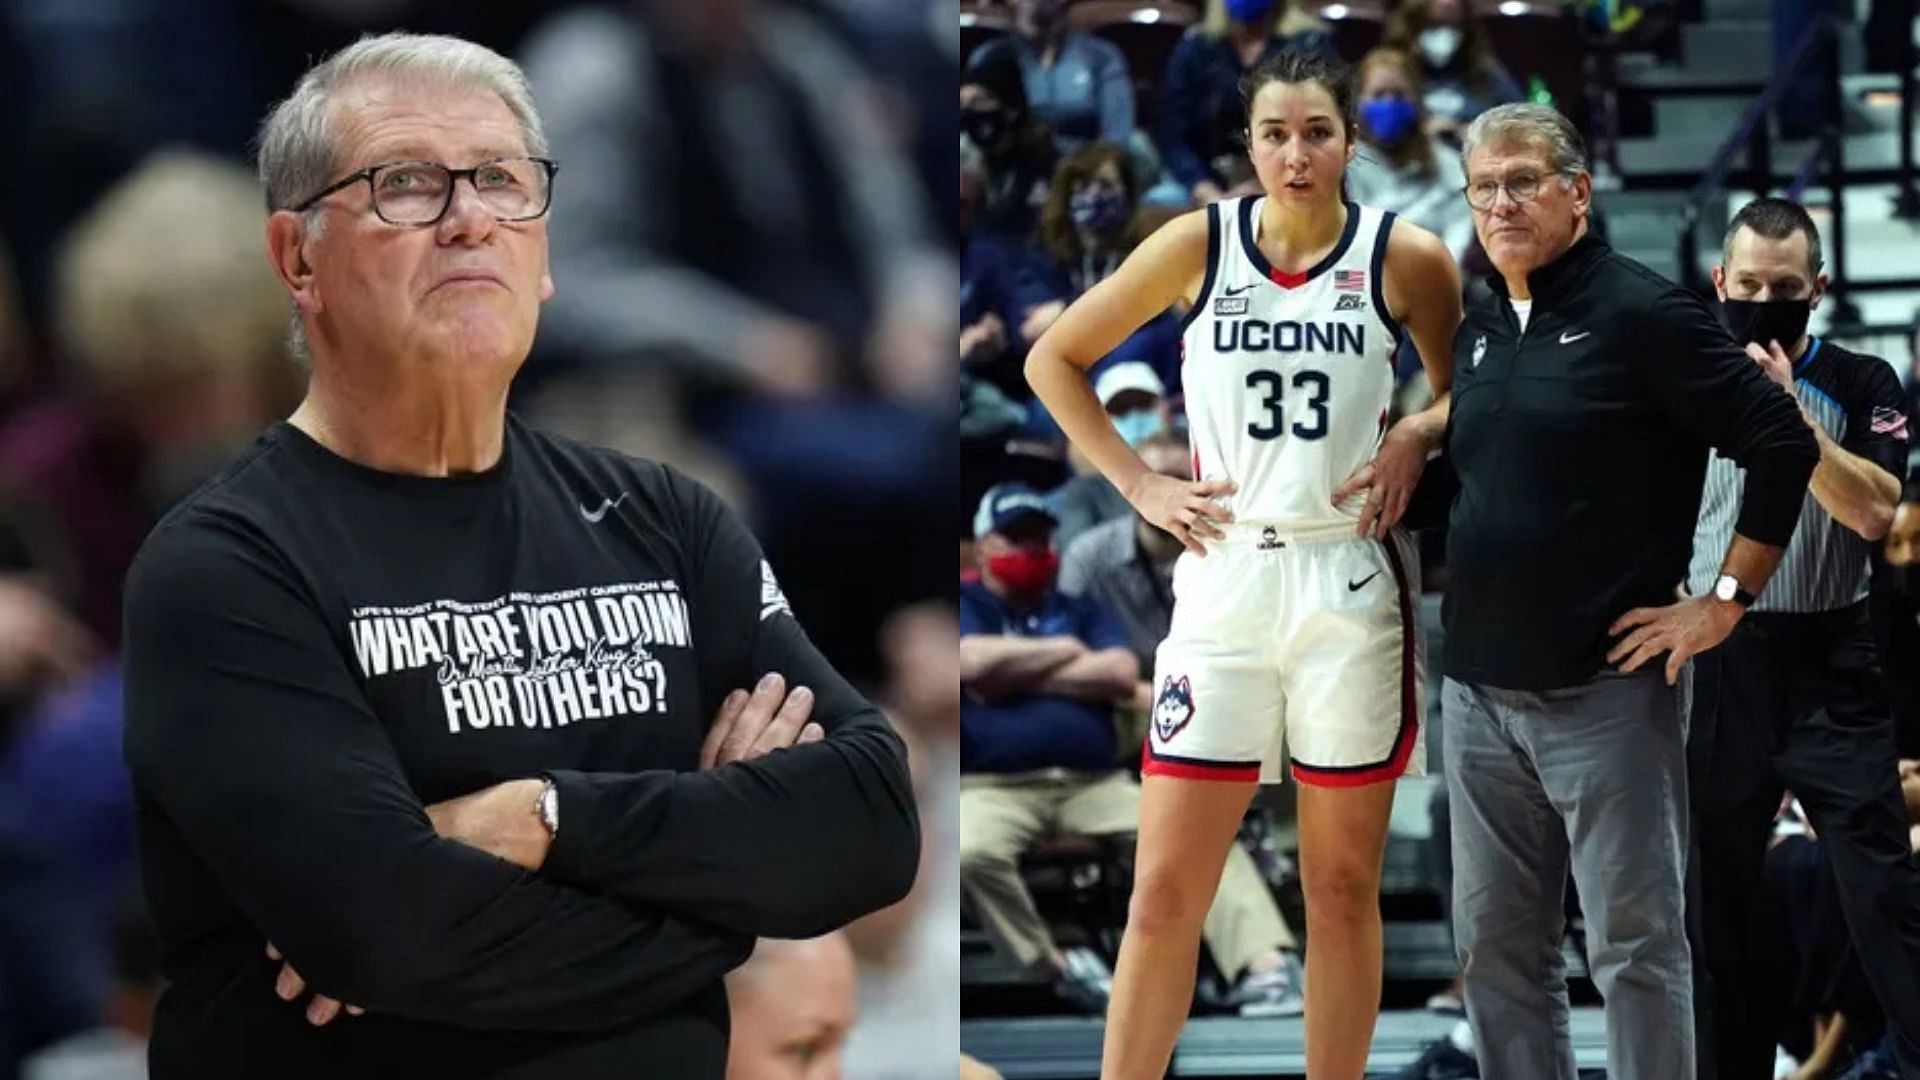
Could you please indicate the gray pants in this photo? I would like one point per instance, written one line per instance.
(1597, 772)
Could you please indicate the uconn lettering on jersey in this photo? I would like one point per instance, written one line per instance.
(1257, 335)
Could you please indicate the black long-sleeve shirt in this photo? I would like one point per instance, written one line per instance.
(1580, 447)
(316, 650)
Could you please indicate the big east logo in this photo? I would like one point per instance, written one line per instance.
(1174, 708)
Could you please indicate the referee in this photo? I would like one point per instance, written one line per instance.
(1793, 698)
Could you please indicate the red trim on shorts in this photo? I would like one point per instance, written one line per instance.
(1196, 769)
(1396, 763)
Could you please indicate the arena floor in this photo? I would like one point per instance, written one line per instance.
(1068, 1048)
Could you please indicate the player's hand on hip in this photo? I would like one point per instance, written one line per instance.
(1388, 480)
(502, 820)
(1185, 509)
(290, 985)
(750, 725)
(1682, 631)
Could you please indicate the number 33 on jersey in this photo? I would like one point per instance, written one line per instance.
(1288, 376)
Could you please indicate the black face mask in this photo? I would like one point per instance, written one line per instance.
(1900, 579)
(1768, 320)
(986, 127)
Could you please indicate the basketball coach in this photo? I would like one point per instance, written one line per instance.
(418, 698)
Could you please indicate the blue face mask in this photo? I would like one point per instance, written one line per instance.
(1388, 120)
(1137, 425)
(1099, 210)
(1248, 11)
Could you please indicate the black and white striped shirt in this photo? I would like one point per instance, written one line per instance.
(1856, 400)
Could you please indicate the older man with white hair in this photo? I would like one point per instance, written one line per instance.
(418, 698)
(1588, 392)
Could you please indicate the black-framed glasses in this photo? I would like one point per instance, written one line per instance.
(1522, 189)
(419, 192)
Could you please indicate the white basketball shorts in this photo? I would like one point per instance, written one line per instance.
(1283, 646)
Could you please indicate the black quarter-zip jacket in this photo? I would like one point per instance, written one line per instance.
(315, 650)
(1581, 445)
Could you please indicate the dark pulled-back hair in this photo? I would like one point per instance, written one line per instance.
(1294, 67)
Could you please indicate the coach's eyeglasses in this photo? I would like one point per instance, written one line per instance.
(419, 192)
(1522, 189)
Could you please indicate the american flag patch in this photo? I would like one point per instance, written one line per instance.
(1885, 421)
(1350, 280)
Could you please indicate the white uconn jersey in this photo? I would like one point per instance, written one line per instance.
(1288, 376)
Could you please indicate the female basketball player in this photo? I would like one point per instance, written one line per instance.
(1289, 623)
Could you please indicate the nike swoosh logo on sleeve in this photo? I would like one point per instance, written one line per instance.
(594, 516)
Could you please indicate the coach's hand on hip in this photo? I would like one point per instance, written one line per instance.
(1389, 479)
(1681, 630)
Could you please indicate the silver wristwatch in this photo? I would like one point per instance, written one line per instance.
(1728, 588)
(548, 807)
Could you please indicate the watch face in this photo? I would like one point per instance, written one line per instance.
(1726, 587)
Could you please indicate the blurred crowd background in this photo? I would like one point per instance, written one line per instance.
(1086, 125)
(755, 256)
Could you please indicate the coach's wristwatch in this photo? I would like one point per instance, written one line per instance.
(548, 807)
(1728, 588)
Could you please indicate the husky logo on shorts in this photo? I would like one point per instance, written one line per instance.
(1173, 708)
(1479, 350)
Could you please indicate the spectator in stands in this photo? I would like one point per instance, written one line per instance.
(1076, 82)
(791, 264)
(64, 790)
(1040, 676)
(996, 270)
(987, 267)
(793, 1006)
(116, 1048)
(1828, 1012)
(1136, 400)
(1127, 563)
(738, 215)
(1903, 537)
(909, 957)
(1091, 222)
(1463, 77)
(179, 361)
(1202, 119)
(1401, 167)
(1016, 145)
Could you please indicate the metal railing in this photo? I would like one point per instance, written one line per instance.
(1753, 134)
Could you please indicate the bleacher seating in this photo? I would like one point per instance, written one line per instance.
(1146, 32)
(1538, 38)
(980, 22)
